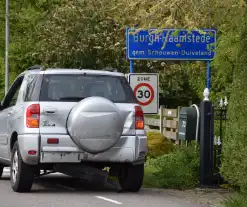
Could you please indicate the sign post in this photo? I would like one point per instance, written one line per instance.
(208, 75)
(145, 87)
(175, 44)
(131, 66)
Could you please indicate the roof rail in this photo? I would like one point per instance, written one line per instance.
(40, 67)
(110, 69)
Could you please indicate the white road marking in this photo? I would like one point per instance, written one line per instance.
(6, 169)
(109, 200)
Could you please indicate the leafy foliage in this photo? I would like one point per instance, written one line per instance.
(158, 144)
(78, 36)
(91, 34)
(236, 201)
(23, 16)
(178, 169)
(234, 152)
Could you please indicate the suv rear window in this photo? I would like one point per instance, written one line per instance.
(75, 87)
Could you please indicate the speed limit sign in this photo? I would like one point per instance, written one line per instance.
(144, 93)
(145, 87)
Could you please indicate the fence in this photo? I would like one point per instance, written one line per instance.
(167, 123)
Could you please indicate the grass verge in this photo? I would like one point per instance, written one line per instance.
(239, 200)
(149, 182)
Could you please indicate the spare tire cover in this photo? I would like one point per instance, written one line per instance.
(95, 124)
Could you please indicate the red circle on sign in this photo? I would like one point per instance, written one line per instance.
(151, 91)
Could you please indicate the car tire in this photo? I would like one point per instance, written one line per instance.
(21, 174)
(131, 178)
(1, 170)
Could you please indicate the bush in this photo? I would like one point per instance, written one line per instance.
(179, 169)
(237, 201)
(158, 144)
(234, 159)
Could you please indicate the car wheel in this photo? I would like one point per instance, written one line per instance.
(131, 177)
(21, 174)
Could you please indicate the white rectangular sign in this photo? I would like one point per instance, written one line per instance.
(146, 90)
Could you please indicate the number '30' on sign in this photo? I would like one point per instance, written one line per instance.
(144, 93)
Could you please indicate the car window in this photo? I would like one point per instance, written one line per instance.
(60, 87)
(14, 98)
(12, 95)
(31, 81)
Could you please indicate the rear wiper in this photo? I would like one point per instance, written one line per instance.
(71, 98)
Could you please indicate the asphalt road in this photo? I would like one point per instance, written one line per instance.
(57, 190)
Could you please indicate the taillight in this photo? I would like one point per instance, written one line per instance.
(32, 116)
(139, 118)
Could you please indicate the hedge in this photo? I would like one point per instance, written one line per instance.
(234, 158)
(158, 145)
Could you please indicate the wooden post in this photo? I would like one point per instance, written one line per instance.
(161, 119)
(177, 141)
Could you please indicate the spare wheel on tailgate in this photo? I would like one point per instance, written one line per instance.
(95, 124)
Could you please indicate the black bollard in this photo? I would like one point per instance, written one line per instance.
(206, 142)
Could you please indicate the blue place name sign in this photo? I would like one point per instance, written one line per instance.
(170, 44)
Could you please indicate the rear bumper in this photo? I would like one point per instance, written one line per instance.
(129, 149)
(29, 142)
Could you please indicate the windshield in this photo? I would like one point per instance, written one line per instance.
(75, 87)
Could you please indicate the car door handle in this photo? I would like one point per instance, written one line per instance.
(50, 110)
(9, 113)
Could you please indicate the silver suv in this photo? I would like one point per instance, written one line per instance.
(72, 121)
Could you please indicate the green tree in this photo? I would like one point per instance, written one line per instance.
(91, 34)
